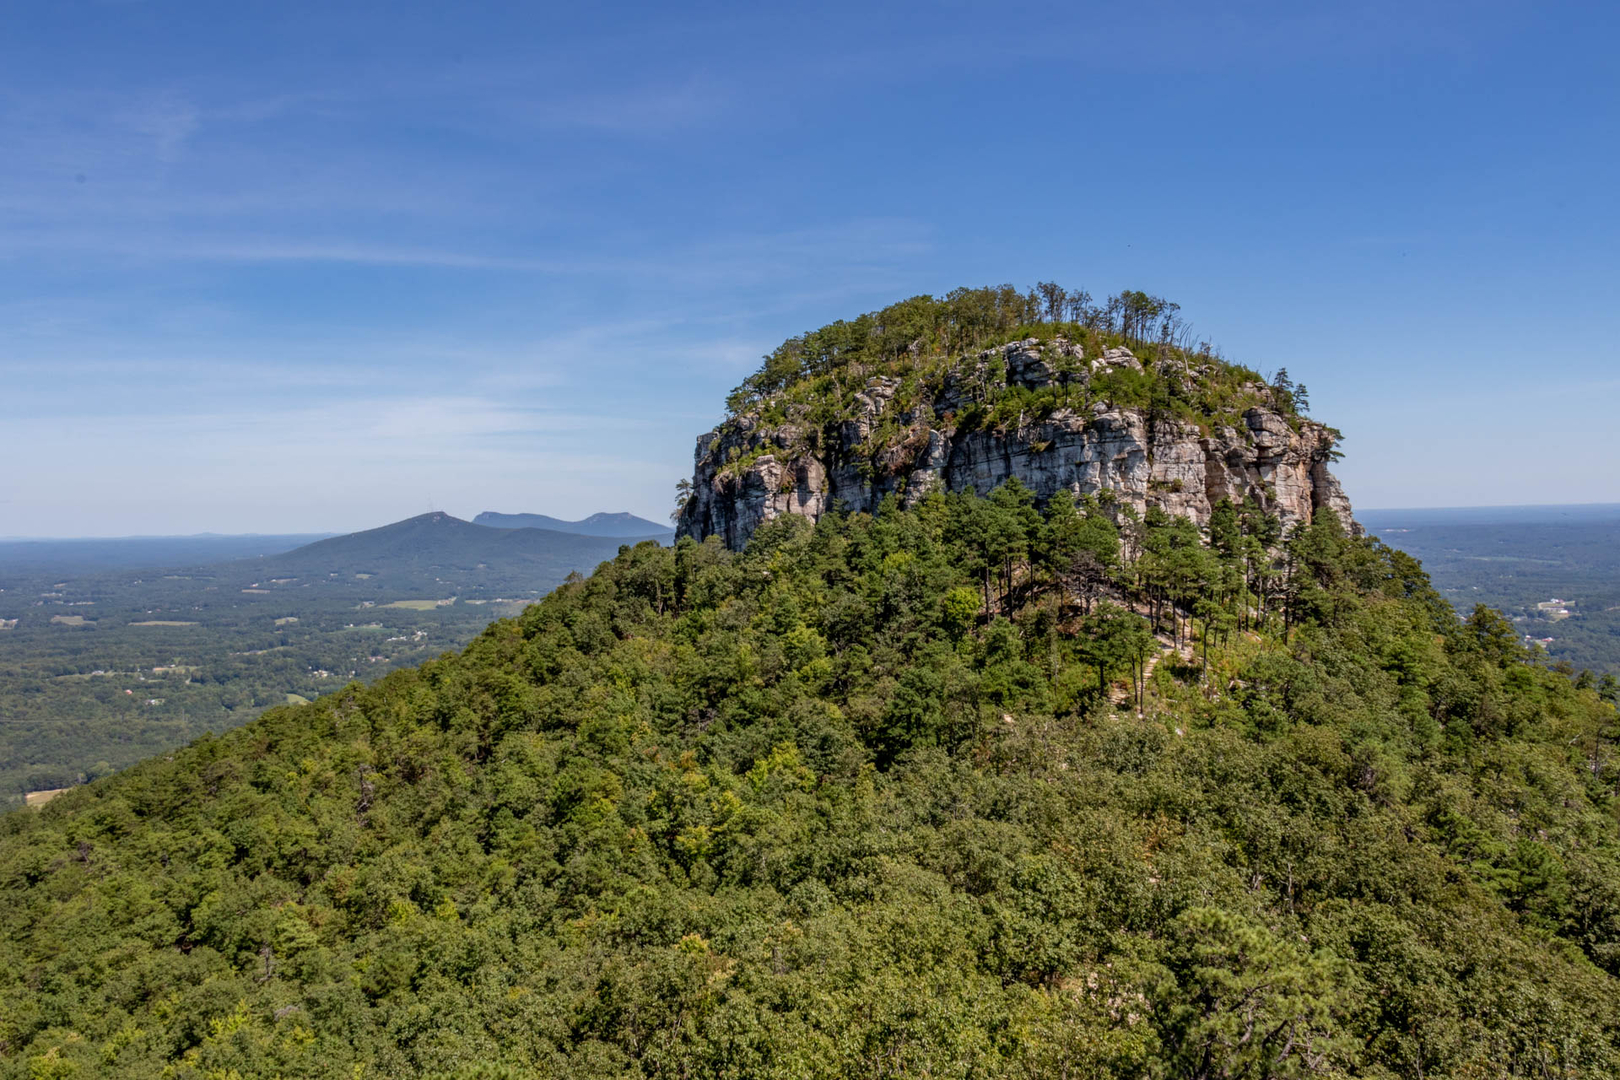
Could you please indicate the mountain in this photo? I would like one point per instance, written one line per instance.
(620, 525)
(438, 542)
(986, 785)
(845, 416)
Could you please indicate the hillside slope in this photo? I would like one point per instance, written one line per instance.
(102, 669)
(857, 802)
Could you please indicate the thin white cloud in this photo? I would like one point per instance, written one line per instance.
(860, 246)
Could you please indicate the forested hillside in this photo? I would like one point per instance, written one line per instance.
(918, 793)
(100, 670)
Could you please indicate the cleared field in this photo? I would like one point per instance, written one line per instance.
(288, 621)
(40, 798)
(68, 620)
(297, 699)
(162, 622)
(416, 605)
(501, 607)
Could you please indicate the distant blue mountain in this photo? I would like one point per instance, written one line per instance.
(438, 543)
(625, 525)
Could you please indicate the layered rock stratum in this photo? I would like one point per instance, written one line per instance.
(765, 461)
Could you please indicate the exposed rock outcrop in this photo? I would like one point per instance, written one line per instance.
(748, 471)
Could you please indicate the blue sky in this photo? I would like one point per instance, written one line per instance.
(283, 267)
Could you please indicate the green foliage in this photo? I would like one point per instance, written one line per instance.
(886, 795)
(1236, 999)
(929, 344)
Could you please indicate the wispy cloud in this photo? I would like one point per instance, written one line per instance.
(857, 247)
(269, 249)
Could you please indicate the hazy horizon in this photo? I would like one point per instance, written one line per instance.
(318, 533)
(313, 532)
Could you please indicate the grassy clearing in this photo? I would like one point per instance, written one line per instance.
(40, 798)
(415, 605)
(163, 622)
(297, 699)
(68, 620)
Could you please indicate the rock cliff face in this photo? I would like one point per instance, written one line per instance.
(749, 471)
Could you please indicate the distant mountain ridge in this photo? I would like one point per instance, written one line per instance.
(438, 540)
(621, 525)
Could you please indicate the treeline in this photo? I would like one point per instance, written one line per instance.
(851, 803)
(963, 320)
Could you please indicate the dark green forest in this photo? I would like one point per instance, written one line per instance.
(974, 789)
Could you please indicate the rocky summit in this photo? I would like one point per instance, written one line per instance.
(1154, 426)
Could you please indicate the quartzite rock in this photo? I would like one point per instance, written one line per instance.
(1145, 460)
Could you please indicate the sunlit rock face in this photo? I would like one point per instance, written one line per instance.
(748, 471)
